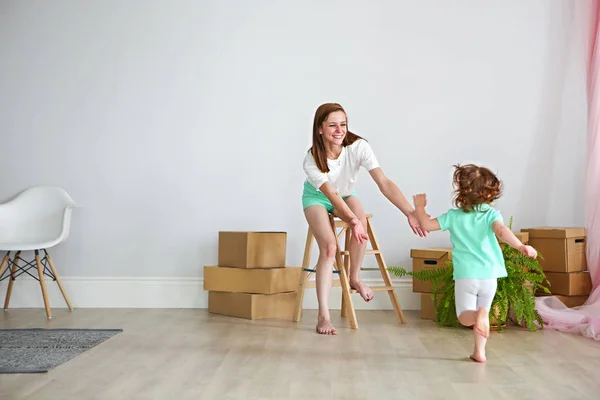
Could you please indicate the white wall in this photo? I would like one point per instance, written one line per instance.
(170, 121)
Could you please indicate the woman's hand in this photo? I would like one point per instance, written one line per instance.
(358, 231)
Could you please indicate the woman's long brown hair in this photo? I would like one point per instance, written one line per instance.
(318, 146)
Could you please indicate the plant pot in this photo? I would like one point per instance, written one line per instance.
(497, 318)
(497, 327)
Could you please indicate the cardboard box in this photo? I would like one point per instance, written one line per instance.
(563, 249)
(570, 284)
(427, 307)
(252, 249)
(261, 281)
(522, 236)
(572, 301)
(252, 306)
(428, 259)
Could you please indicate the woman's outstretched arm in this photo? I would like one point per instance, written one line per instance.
(391, 191)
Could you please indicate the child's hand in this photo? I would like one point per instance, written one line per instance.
(420, 200)
(528, 251)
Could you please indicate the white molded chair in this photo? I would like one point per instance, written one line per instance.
(36, 219)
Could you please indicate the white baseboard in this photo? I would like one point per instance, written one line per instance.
(170, 293)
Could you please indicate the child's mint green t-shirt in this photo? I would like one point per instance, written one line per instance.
(476, 253)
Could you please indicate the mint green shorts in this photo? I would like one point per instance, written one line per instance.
(314, 197)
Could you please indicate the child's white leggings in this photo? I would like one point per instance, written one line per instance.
(471, 294)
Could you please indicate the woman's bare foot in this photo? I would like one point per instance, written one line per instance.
(482, 323)
(477, 357)
(324, 327)
(365, 292)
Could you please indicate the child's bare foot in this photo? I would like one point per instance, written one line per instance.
(324, 327)
(477, 357)
(482, 323)
(365, 292)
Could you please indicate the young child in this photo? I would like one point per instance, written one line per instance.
(476, 254)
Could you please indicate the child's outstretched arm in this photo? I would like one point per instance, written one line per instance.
(509, 238)
(427, 223)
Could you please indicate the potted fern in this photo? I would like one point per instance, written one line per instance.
(515, 293)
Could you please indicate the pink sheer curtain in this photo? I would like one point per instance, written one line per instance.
(592, 195)
(585, 320)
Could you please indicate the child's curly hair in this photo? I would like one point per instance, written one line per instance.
(475, 185)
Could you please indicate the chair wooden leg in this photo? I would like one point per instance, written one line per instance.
(11, 280)
(303, 276)
(4, 263)
(40, 268)
(58, 281)
(385, 273)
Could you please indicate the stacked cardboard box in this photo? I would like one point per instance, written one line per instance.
(522, 236)
(563, 263)
(251, 280)
(422, 259)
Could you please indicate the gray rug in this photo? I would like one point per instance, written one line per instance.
(25, 351)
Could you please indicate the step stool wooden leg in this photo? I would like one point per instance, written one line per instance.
(40, 268)
(58, 281)
(11, 280)
(345, 283)
(303, 276)
(385, 273)
(346, 258)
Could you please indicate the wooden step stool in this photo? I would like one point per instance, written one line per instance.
(341, 266)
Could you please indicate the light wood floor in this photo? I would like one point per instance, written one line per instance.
(191, 354)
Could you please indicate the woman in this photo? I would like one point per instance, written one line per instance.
(332, 166)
